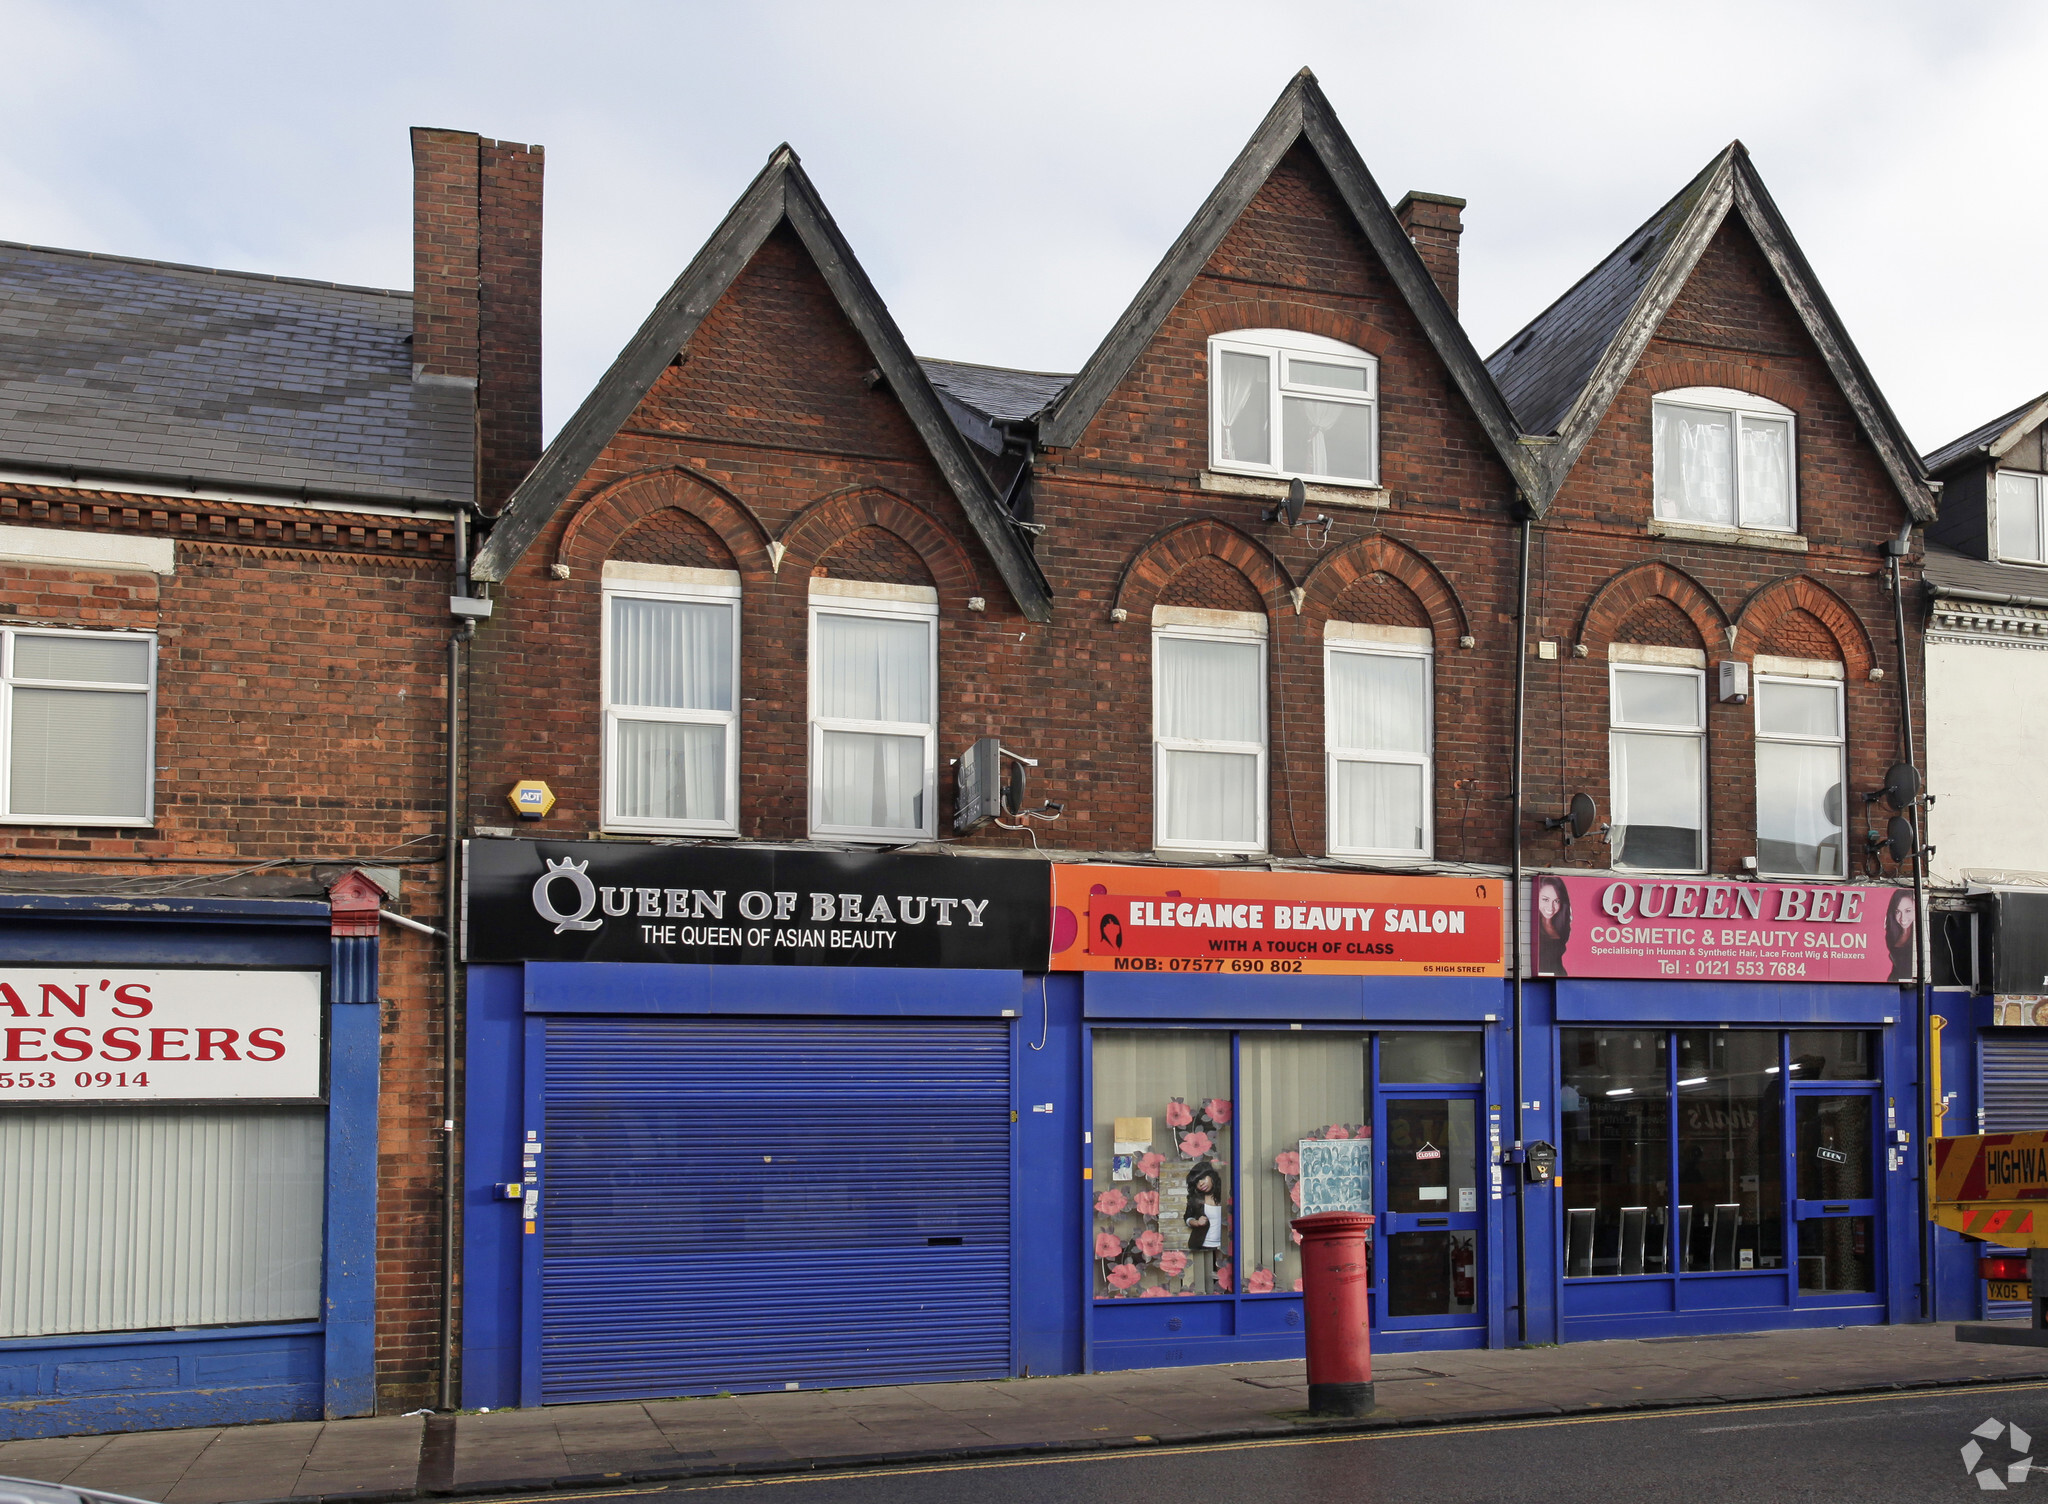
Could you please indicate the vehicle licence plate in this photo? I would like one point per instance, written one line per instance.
(2010, 1289)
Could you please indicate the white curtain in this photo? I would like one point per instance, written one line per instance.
(1293, 1086)
(1796, 830)
(1694, 464)
(120, 1220)
(1654, 699)
(1657, 795)
(1766, 472)
(1247, 402)
(2019, 518)
(673, 655)
(872, 668)
(872, 781)
(1376, 806)
(1327, 438)
(670, 770)
(1209, 689)
(1211, 796)
(1379, 702)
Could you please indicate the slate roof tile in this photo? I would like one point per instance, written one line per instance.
(239, 377)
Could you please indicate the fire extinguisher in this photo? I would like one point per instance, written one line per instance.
(1461, 1271)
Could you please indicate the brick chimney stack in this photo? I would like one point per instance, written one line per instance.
(1434, 222)
(476, 291)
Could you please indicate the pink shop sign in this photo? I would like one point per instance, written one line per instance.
(1698, 929)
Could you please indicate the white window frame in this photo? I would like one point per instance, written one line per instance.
(897, 603)
(1334, 645)
(704, 587)
(1736, 404)
(146, 816)
(1998, 478)
(1826, 674)
(1615, 724)
(1185, 629)
(1275, 345)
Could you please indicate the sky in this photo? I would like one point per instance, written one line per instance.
(1009, 174)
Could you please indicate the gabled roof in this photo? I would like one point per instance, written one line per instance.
(1994, 438)
(1301, 114)
(1564, 370)
(781, 194)
(111, 366)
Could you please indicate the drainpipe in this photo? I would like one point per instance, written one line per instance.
(1895, 549)
(1514, 917)
(451, 1199)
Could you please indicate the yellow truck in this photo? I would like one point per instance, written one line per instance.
(1994, 1187)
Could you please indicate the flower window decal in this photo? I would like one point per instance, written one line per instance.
(1134, 1257)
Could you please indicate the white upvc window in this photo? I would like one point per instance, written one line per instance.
(1800, 770)
(80, 727)
(1377, 736)
(874, 722)
(1657, 749)
(671, 667)
(1285, 404)
(2022, 531)
(1209, 729)
(1724, 458)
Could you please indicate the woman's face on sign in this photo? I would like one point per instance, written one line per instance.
(1546, 901)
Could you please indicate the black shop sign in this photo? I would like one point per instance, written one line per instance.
(600, 901)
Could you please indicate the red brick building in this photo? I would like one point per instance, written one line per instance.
(231, 509)
(1250, 588)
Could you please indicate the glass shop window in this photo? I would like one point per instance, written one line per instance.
(1614, 1102)
(1834, 1055)
(1296, 1087)
(1163, 1123)
(1430, 1059)
(1731, 1154)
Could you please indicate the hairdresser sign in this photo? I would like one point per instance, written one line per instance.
(1697, 929)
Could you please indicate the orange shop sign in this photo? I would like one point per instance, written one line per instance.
(1167, 919)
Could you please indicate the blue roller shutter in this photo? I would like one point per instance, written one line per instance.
(767, 1203)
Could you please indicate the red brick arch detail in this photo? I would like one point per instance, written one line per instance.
(605, 518)
(1281, 313)
(1172, 550)
(1379, 554)
(812, 532)
(1613, 601)
(1668, 375)
(1761, 614)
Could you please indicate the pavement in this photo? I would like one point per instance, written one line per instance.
(570, 1446)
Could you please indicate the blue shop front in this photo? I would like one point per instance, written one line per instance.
(188, 1129)
(1734, 1078)
(746, 1119)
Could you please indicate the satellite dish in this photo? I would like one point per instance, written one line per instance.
(1901, 785)
(1898, 836)
(1831, 805)
(1578, 817)
(1013, 792)
(1582, 814)
(1297, 498)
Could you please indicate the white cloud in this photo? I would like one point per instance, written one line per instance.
(1009, 174)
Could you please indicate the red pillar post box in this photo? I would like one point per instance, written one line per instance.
(1334, 1288)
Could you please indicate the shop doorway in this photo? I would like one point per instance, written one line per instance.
(1429, 1228)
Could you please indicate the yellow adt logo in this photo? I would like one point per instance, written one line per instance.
(531, 798)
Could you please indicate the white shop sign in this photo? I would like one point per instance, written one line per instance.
(85, 1034)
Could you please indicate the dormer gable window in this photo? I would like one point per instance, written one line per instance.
(1724, 458)
(1285, 404)
(2022, 536)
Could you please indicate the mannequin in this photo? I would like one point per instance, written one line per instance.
(1204, 1217)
